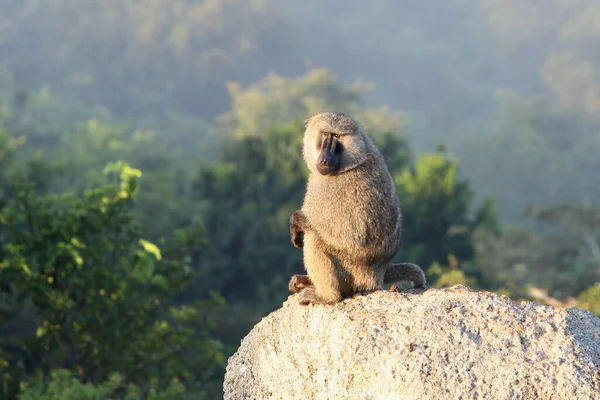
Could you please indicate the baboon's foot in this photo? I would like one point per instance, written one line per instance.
(299, 282)
(309, 295)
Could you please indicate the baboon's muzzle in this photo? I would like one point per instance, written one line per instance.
(329, 158)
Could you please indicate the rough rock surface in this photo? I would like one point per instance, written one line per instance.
(439, 344)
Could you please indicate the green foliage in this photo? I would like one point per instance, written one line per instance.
(536, 151)
(253, 192)
(508, 259)
(563, 258)
(63, 385)
(444, 276)
(102, 295)
(84, 150)
(589, 299)
(8, 147)
(436, 205)
(572, 237)
(275, 100)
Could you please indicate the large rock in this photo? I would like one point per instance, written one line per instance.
(438, 344)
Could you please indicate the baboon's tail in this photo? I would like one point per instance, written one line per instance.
(405, 272)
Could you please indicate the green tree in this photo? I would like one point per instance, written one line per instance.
(589, 299)
(101, 296)
(437, 205)
(572, 236)
(70, 158)
(245, 202)
(536, 151)
(62, 385)
(275, 100)
(561, 255)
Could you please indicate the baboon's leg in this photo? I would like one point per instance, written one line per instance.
(323, 273)
(405, 272)
(367, 278)
(299, 282)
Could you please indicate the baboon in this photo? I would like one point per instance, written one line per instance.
(350, 223)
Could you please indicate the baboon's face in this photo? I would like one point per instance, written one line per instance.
(333, 143)
(329, 147)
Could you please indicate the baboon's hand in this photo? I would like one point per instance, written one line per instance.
(297, 237)
(298, 223)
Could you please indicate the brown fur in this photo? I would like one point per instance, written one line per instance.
(350, 224)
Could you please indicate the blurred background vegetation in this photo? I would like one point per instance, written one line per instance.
(150, 159)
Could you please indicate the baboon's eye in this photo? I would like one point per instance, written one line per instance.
(335, 135)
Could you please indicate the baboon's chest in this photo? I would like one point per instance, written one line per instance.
(361, 214)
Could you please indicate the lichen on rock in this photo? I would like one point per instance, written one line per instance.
(450, 343)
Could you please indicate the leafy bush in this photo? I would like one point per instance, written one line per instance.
(589, 299)
(100, 297)
(63, 385)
